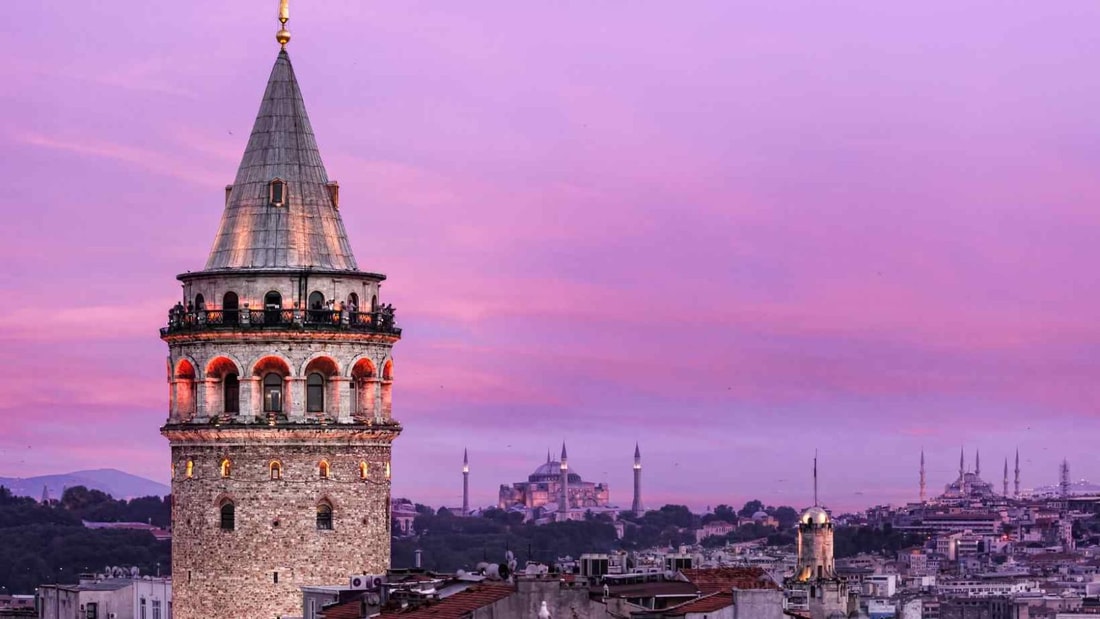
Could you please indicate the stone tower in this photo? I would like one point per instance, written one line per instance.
(280, 376)
(636, 507)
(815, 590)
(465, 483)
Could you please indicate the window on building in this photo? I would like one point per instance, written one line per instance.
(226, 468)
(156, 609)
(91, 610)
(141, 610)
(273, 393)
(364, 470)
(322, 469)
(230, 305)
(228, 516)
(189, 469)
(324, 517)
(200, 303)
(278, 192)
(276, 469)
(315, 393)
(316, 306)
(273, 308)
(353, 302)
(231, 393)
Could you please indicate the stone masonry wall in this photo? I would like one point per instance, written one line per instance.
(255, 571)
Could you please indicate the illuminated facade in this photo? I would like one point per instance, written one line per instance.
(280, 373)
(548, 484)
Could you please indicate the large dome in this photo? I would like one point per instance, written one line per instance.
(551, 471)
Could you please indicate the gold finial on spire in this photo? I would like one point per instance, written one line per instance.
(283, 35)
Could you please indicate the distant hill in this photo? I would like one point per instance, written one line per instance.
(116, 483)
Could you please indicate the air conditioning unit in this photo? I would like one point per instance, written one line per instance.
(364, 582)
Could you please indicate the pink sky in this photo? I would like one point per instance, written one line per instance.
(733, 232)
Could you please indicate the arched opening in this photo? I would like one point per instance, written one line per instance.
(323, 469)
(387, 470)
(230, 315)
(226, 468)
(353, 302)
(269, 395)
(273, 308)
(200, 303)
(364, 470)
(227, 515)
(364, 383)
(322, 387)
(186, 392)
(276, 469)
(316, 303)
(273, 393)
(231, 393)
(387, 390)
(225, 398)
(374, 303)
(315, 393)
(189, 469)
(324, 516)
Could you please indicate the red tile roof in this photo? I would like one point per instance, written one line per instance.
(457, 606)
(706, 604)
(348, 610)
(726, 579)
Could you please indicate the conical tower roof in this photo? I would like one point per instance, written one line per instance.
(305, 231)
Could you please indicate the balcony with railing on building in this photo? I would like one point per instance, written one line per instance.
(183, 319)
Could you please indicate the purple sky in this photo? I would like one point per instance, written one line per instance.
(732, 233)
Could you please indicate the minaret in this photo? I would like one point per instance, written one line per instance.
(1005, 493)
(563, 507)
(637, 505)
(1065, 479)
(977, 463)
(962, 465)
(923, 495)
(280, 386)
(1017, 494)
(45, 495)
(465, 483)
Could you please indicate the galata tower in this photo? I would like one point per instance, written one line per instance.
(280, 375)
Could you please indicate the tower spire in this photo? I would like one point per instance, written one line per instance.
(923, 496)
(815, 478)
(283, 35)
(1017, 488)
(1005, 493)
(962, 464)
(636, 507)
(977, 463)
(465, 482)
(564, 507)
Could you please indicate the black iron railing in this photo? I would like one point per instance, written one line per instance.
(182, 320)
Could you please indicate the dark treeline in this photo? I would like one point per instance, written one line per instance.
(47, 543)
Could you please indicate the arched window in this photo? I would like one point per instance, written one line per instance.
(323, 469)
(364, 470)
(374, 303)
(277, 192)
(276, 469)
(228, 516)
(353, 302)
(227, 468)
(189, 469)
(324, 516)
(200, 303)
(387, 470)
(273, 305)
(273, 393)
(315, 393)
(231, 393)
(230, 305)
(316, 305)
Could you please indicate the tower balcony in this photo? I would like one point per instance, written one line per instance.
(180, 320)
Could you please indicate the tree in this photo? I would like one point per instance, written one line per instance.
(726, 513)
(750, 508)
(787, 516)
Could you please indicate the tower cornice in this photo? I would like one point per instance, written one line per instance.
(305, 433)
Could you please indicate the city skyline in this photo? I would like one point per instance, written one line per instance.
(709, 234)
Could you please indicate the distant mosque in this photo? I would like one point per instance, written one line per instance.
(553, 480)
(969, 485)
